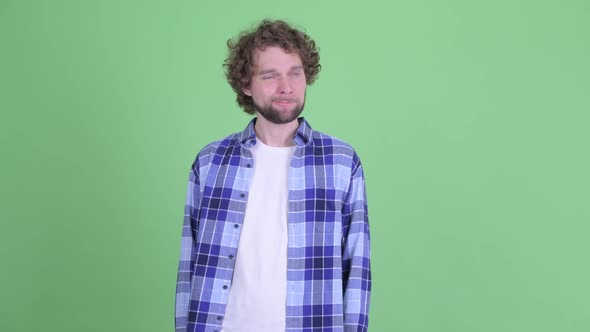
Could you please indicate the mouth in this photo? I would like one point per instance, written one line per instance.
(283, 101)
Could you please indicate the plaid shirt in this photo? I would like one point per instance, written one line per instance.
(328, 254)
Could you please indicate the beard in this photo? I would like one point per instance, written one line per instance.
(276, 116)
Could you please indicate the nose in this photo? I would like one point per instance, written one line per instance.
(284, 86)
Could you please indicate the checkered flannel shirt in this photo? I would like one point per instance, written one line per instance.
(328, 263)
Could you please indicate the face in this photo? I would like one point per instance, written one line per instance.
(278, 85)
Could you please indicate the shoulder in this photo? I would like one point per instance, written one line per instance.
(323, 140)
(339, 149)
(218, 147)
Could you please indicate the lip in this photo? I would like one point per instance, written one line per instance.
(283, 102)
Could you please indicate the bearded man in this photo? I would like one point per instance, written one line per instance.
(276, 233)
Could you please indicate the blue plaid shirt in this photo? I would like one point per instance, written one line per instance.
(328, 263)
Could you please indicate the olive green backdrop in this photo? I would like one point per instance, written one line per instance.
(471, 118)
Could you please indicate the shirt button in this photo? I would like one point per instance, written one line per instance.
(242, 195)
(219, 318)
(249, 165)
(231, 256)
(224, 286)
(236, 225)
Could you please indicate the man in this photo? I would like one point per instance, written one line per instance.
(276, 233)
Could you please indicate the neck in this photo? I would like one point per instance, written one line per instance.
(273, 134)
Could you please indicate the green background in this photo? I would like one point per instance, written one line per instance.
(471, 118)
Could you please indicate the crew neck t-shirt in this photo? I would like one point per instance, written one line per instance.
(257, 296)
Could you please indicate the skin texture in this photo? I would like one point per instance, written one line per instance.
(277, 88)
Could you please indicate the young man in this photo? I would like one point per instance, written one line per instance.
(276, 233)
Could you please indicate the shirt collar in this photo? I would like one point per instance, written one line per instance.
(302, 135)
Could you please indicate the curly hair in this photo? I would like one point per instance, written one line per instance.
(239, 63)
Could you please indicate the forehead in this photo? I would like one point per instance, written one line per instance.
(275, 57)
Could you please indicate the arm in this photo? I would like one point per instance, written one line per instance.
(356, 260)
(187, 250)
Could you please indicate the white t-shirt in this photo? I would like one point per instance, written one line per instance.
(258, 293)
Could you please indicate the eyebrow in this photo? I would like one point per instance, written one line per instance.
(268, 71)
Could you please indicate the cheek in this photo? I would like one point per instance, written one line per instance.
(300, 82)
(259, 91)
(301, 86)
(263, 95)
(267, 89)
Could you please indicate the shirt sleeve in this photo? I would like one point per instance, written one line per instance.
(356, 261)
(187, 249)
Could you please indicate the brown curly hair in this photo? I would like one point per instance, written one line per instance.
(239, 62)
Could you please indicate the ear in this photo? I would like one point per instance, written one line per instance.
(247, 91)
